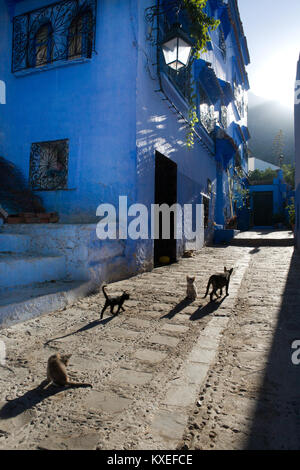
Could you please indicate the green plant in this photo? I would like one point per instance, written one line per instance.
(241, 198)
(292, 214)
(200, 24)
(193, 119)
(289, 174)
(262, 176)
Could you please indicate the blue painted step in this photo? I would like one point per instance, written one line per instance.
(23, 269)
(13, 242)
(22, 303)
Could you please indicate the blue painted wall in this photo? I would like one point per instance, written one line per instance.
(109, 109)
(92, 104)
(297, 162)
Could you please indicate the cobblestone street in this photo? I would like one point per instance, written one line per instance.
(167, 374)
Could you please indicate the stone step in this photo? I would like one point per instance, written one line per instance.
(23, 269)
(261, 242)
(22, 303)
(14, 242)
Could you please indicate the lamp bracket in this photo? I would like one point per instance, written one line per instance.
(156, 11)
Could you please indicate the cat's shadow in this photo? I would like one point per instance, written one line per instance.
(178, 308)
(200, 312)
(28, 400)
(87, 327)
(204, 310)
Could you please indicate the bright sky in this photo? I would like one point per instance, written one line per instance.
(272, 28)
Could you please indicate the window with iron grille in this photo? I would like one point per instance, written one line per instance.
(206, 111)
(58, 32)
(43, 46)
(224, 115)
(80, 40)
(49, 165)
(239, 98)
(222, 43)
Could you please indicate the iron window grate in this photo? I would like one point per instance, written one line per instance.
(50, 34)
(49, 165)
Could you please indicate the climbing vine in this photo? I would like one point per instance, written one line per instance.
(200, 24)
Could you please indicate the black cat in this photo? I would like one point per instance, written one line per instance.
(112, 301)
(219, 281)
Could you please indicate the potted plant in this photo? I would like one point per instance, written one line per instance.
(231, 223)
(292, 215)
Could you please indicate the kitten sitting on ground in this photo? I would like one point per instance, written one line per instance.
(112, 301)
(57, 372)
(191, 290)
(218, 281)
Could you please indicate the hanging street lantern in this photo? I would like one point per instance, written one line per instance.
(177, 48)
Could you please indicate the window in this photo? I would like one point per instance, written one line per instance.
(57, 32)
(209, 186)
(222, 43)
(206, 111)
(2, 92)
(80, 41)
(43, 45)
(239, 98)
(49, 165)
(224, 115)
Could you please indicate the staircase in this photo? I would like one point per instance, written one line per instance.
(32, 283)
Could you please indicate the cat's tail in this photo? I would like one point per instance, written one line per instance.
(207, 288)
(103, 289)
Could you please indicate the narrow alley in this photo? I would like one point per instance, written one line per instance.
(167, 374)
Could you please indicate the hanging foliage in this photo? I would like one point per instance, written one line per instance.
(200, 25)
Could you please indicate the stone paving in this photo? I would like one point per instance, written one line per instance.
(250, 398)
(166, 373)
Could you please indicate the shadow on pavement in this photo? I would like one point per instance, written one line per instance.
(178, 308)
(255, 250)
(276, 419)
(203, 311)
(19, 405)
(87, 327)
(199, 313)
(258, 242)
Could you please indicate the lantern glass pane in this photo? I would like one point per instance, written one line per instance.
(184, 51)
(170, 51)
(176, 65)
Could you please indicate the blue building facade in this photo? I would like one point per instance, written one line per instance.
(91, 108)
(297, 156)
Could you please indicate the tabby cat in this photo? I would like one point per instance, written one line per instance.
(57, 372)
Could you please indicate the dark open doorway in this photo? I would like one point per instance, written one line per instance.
(165, 193)
(263, 208)
(206, 210)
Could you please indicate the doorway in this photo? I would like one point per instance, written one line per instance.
(263, 208)
(165, 193)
